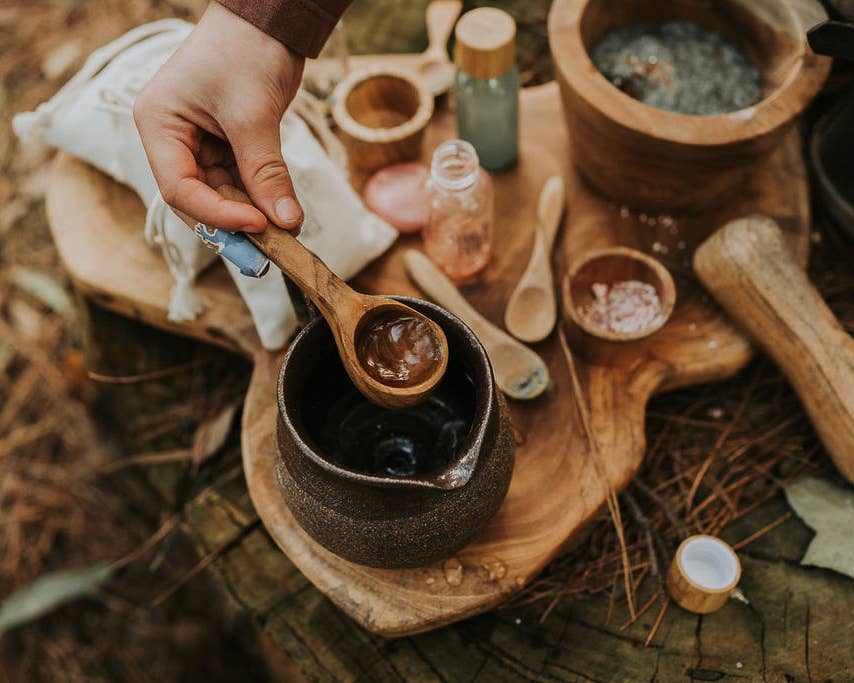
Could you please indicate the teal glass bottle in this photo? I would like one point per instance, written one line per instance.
(486, 88)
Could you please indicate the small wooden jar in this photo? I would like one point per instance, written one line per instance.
(382, 114)
(703, 574)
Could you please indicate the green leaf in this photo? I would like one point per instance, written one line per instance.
(50, 591)
(829, 510)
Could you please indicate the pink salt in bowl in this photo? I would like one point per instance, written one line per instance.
(619, 294)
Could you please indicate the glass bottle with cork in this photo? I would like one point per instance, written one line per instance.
(458, 234)
(486, 88)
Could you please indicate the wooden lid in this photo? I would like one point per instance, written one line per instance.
(485, 42)
(704, 572)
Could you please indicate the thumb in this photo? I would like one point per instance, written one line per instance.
(257, 151)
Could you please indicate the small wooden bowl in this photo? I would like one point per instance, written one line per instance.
(666, 162)
(610, 265)
(382, 114)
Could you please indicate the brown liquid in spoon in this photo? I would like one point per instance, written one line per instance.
(399, 350)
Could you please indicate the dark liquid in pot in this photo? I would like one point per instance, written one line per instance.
(398, 350)
(354, 433)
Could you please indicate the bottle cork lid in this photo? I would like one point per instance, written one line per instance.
(485, 42)
(703, 574)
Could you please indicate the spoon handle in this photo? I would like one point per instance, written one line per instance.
(748, 268)
(309, 273)
(441, 17)
(550, 209)
(435, 284)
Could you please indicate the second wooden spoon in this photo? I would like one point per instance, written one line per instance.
(532, 311)
(519, 372)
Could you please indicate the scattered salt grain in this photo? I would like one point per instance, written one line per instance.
(624, 212)
(716, 413)
(692, 326)
(628, 307)
(713, 344)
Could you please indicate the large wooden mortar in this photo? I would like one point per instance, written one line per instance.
(660, 161)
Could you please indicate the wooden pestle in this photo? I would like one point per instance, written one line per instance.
(749, 269)
(346, 311)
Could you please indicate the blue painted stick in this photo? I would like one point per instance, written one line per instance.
(236, 248)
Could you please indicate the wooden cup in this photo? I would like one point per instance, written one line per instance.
(382, 114)
(703, 574)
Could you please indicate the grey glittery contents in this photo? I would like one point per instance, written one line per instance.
(679, 66)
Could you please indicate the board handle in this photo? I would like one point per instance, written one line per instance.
(749, 269)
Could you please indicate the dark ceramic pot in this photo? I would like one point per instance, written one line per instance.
(382, 520)
(830, 154)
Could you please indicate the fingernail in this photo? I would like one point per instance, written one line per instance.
(288, 211)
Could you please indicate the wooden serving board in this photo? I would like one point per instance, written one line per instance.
(97, 226)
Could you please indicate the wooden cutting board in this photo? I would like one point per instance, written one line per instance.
(97, 226)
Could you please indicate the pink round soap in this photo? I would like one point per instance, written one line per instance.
(399, 195)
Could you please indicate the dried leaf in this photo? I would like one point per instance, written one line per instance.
(829, 510)
(59, 61)
(50, 591)
(212, 433)
(7, 354)
(26, 320)
(47, 289)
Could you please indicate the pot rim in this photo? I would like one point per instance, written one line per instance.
(456, 473)
(575, 67)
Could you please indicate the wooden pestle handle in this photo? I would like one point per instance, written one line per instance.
(748, 268)
(441, 17)
(310, 274)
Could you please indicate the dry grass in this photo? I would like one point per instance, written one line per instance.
(59, 509)
(715, 453)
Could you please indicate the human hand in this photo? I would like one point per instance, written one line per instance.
(210, 117)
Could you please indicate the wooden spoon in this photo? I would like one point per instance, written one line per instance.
(531, 312)
(433, 65)
(346, 311)
(519, 372)
(748, 268)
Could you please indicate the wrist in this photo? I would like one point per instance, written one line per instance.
(219, 21)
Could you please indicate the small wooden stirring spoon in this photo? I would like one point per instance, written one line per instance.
(519, 372)
(348, 313)
(433, 65)
(532, 311)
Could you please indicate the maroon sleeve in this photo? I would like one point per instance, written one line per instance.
(302, 25)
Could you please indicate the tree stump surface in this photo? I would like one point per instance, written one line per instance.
(797, 627)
